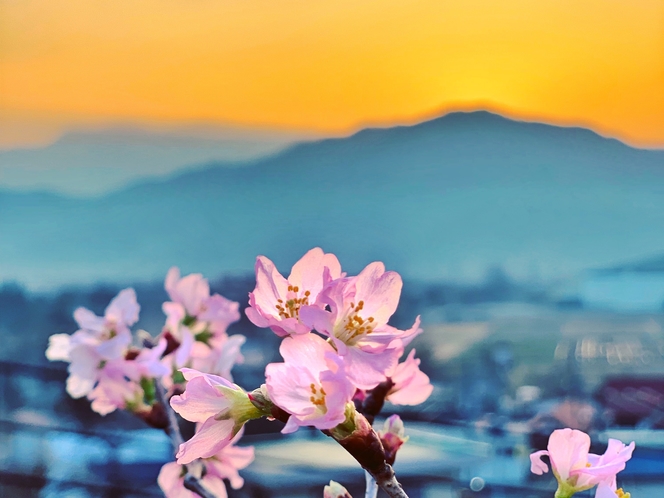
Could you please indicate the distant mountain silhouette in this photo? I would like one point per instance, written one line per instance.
(98, 162)
(447, 198)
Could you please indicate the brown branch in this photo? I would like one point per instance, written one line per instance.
(375, 399)
(365, 447)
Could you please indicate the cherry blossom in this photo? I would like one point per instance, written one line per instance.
(335, 490)
(276, 301)
(193, 307)
(219, 406)
(109, 335)
(116, 385)
(96, 354)
(411, 385)
(222, 465)
(359, 308)
(197, 323)
(218, 356)
(576, 469)
(311, 384)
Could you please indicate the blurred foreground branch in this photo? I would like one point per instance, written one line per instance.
(194, 470)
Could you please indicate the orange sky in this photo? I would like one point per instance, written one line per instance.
(328, 65)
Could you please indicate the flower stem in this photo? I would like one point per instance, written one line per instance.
(192, 480)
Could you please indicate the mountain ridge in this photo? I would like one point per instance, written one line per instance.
(447, 198)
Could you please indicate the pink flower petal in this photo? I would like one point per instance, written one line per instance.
(124, 308)
(307, 273)
(58, 347)
(209, 439)
(215, 486)
(366, 370)
(171, 482)
(411, 385)
(305, 350)
(568, 450)
(288, 387)
(87, 320)
(380, 291)
(537, 466)
(606, 490)
(200, 401)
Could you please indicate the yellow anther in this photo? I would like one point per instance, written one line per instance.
(291, 308)
(317, 399)
(621, 494)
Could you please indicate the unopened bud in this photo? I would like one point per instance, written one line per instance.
(392, 436)
(335, 490)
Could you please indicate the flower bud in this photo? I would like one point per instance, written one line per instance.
(392, 436)
(335, 490)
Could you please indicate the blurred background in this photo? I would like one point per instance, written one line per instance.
(506, 158)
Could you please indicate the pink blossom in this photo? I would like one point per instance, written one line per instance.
(111, 330)
(311, 384)
(276, 301)
(219, 355)
(171, 481)
(222, 408)
(357, 323)
(194, 316)
(116, 385)
(411, 385)
(95, 352)
(575, 468)
(190, 292)
(335, 490)
(226, 463)
(222, 465)
(191, 305)
(108, 336)
(148, 362)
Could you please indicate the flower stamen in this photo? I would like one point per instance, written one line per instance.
(355, 327)
(318, 395)
(291, 308)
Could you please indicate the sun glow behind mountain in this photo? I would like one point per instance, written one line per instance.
(328, 66)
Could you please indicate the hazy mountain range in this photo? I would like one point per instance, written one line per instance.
(447, 198)
(100, 161)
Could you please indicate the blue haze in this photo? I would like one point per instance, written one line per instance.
(445, 199)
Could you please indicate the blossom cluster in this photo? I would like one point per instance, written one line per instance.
(116, 369)
(354, 349)
(336, 345)
(341, 362)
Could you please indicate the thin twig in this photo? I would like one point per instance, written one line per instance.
(372, 487)
(173, 426)
(192, 480)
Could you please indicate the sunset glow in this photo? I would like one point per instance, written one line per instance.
(329, 66)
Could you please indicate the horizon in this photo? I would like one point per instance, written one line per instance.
(227, 147)
(329, 68)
